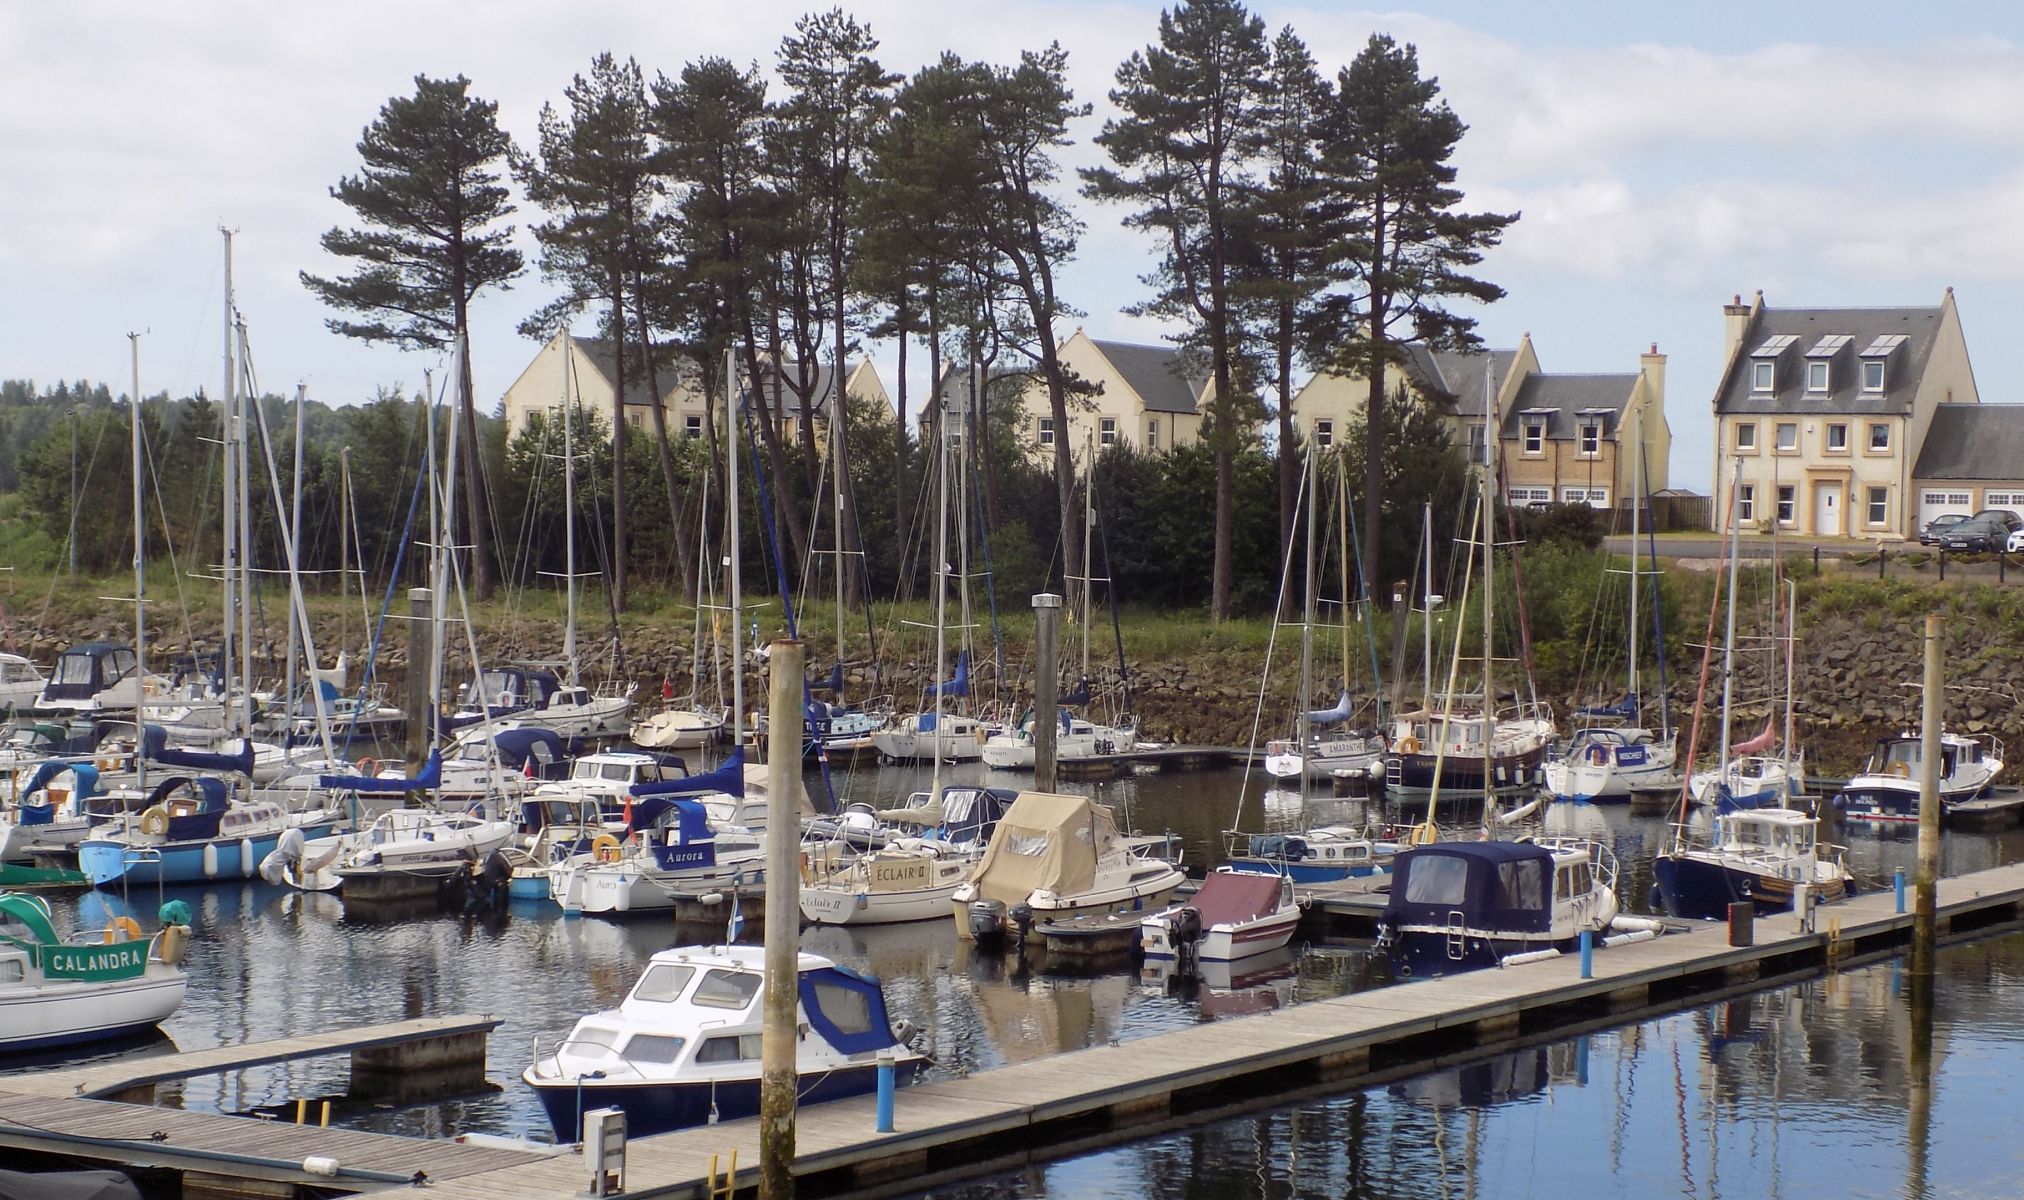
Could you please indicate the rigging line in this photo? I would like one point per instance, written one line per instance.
(1264, 676)
(1110, 593)
(175, 572)
(84, 485)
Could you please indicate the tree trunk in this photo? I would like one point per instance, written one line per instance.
(476, 511)
(1289, 469)
(1374, 441)
(786, 517)
(902, 518)
(683, 563)
(839, 412)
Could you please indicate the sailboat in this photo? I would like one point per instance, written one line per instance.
(936, 734)
(1481, 751)
(692, 723)
(1613, 754)
(1311, 751)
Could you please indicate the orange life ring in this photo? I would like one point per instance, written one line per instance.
(155, 821)
(367, 766)
(1901, 770)
(605, 849)
(123, 929)
(1409, 744)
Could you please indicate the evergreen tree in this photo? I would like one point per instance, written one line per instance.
(429, 202)
(1194, 125)
(1401, 245)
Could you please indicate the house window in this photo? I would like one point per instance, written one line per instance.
(1816, 376)
(1046, 428)
(2010, 500)
(1788, 495)
(633, 419)
(1476, 454)
(1879, 505)
(1872, 374)
(1879, 437)
(1593, 497)
(1106, 431)
(1746, 502)
(1535, 438)
(1762, 371)
(1531, 496)
(1324, 434)
(1837, 438)
(693, 425)
(1788, 436)
(1591, 439)
(1746, 436)
(1152, 433)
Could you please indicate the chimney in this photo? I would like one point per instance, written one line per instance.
(1652, 365)
(1736, 322)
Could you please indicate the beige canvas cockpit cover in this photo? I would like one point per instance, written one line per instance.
(1045, 840)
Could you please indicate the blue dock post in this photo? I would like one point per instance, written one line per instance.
(1899, 883)
(886, 1072)
(1588, 954)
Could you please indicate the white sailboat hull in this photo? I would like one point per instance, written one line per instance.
(60, 1012)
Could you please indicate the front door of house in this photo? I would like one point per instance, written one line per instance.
(1827, 510)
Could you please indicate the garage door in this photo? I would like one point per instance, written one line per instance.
(2014, 501)
(1939, 504)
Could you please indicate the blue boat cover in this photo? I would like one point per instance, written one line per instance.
(518, 744)
(958, 686)
(971, 814)
(154, 744)
(1331, 716)
(1625, 709)
(429, 780)
(1080, 696)
(847, 1009)
(1494, 885)
(50, 768)
(728, 778)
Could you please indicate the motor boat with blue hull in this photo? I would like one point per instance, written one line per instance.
(1887, 790)
(683, 1048)
(1761, 856)
(1326, 854)
(190, 831)
(95, 986)
(1463, 906)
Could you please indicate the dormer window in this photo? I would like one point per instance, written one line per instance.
(1872, 374)
(1324, 434)
(1762, 373)
(1816, 375)
(1591, 438)
(1535, 437)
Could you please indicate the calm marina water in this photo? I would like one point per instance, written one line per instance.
(1770, 1096)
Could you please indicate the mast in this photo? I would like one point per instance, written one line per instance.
(1304, 725)
(140, 583)
(1729, 636)
(942, 602)
(731, 506)
(245, 535)
(1489, 581)
(1791, 646)
(295, 539)
(449, 536)
(230, 508)
(1088, 520)
(569, 504)
(344, 546)
(1636, 696)
(836, 417)
(436, 583)
(1427, 605)
(1342, 554)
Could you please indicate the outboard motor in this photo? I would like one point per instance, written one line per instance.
(286, 853)
(493, 886)
(1185, 929)
(1022, 919)
(987, 920)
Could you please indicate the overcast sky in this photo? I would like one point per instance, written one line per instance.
(1663, 159)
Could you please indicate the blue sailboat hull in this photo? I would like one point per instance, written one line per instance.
(106, 863)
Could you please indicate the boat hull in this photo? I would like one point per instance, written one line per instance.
(1117, 900)
(652, 1108)
(106, 863)
(1880, 803)
(843, 906)
(59, 1013)
(1304, 872)
(1411, 776)
(1701, 889)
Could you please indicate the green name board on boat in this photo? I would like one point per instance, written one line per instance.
(118, 960)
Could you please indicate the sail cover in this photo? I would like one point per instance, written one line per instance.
(958, 686)
(1045, 840)
(1331, 716)
(429, 780)
(728, 778)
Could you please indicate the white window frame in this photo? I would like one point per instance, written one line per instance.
(1818, 376)
(1763, 375)
(693, 426)
(1780, 442)
(1324, 433)
(1874, 428)
(1535, 437)
(1152, 433)
(1876, 504)
(1589, 441)
(1106, 431)
(1873, 367)
(1788, 503)
(1746, 502)
(1043, 430)
(1834, 427)
(1746, 437)
(1530, 495)
(1591, 496)
(1477, 453)
(2010, 500)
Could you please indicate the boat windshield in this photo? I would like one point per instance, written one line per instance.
(73, 669)
(658, 1048)
(593, 1041)
(1437, 879)
(663, 983)
(726, 989)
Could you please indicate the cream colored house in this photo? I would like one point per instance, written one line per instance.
(1972, 459)
(1822, 414)
(1576, 439)
(1450, 381)
(540, 388)
(1148, 397)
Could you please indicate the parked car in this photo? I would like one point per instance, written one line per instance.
(2016, 545)
(1936, 529)
(1987, 530)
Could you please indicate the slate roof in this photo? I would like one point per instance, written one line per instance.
(1568, 396)
(1458, 374)
(1906, 365)
(1973, 441)
(599, 352)
(1160, 375)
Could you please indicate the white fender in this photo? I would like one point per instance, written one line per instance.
(210, 859)
(246, 857)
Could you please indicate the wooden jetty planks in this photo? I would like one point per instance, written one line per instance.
(128, 1073)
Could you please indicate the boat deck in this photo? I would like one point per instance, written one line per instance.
(950, 1128)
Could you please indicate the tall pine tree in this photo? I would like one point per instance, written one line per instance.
(429, 202)
(1187, 147)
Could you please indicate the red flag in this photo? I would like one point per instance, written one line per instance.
(667, 689)
(527, 767)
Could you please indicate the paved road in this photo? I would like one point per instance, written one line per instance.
(1753, 547)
